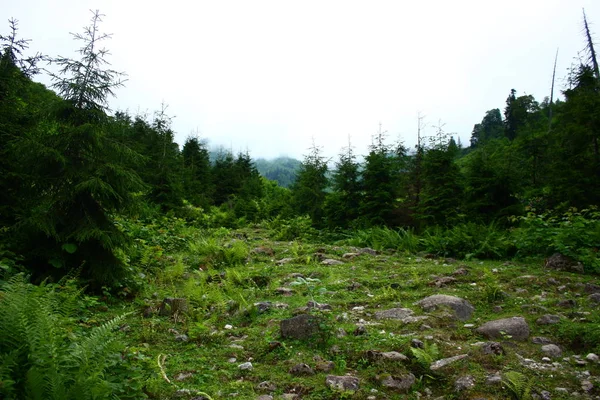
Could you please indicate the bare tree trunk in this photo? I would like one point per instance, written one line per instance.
(552, 93)
(590, 46)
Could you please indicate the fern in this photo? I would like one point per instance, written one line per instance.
(39, 360)
(519, 384)
(427, 355)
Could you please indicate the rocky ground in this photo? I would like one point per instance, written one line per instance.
(304, 321)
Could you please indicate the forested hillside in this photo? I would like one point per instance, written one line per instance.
(100, 198)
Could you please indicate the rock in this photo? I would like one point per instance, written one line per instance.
(546, 360)
(263, 306)
(461, 271)
(342, 383)
(393, 356)
(181, 338)
(591, 288)
(182, 376)
(354, 286)
(515, 327)
(171, 306)
(493, 379)
(443, 281)
(367, 250)
(148, 312)
(350, 256)
(360, 330)
(548, 319)
(394, 313)
(587, 385)
(400, 383)
(330, 261)
(540, 340)
(416, 343)
(325, 366)
(551, 350)
(266, 386)
(594, 298)
(446, 361)
(318, 306)
(545, 395)
(592, 357)
(263, 250)
(301, 327)
(264, 397)
(247, 366)
(301, 369)
(284, 291)
(563, 263)
(284, 261)
(568, 303)
(464, 383)
(492, 348)
(462, 308)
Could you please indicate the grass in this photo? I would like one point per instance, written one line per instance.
(223, 276)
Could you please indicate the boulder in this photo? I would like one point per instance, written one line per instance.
(515, 327)
(563, 263)
(401, 383)
(446, 361)
(551, 350)
(462, 308)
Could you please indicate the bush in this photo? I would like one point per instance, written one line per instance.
(574, 233)
(386, 238)
(290, 229)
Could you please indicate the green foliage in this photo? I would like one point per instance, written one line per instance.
(308, 191)
(426, 356)
(385, 238)
(519, 385)
(282, 170)
(44, 356)
(574, 233)
(580, 336)
(213, 253)
(468, 240)
(290, 229)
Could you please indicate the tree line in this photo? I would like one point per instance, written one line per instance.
(69, 168)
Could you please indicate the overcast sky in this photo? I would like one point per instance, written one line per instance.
(268, 76)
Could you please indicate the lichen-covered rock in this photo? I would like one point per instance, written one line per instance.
(515, 327)
(563, 263)
(462, 308)
(394, 313)
(401, 383)
(464, 383)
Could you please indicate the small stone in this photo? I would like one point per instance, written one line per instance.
(303, 326)
(416, 343)
(228, 327)
(493, 348)
(284, 291)
(325, 366)
(266, 386)
(247, 366)
(545, 395)
(265, 397)
(561, 390)
(568, 303)
(551, 350)
(301, 369)
(563, 263)
(231, 360)
(591, 288)
(548, 319)
(182, 376)
(360, 330)
(342, 383)
(494, 379)
(393, 356)
(181, 338)
(330, 261)
(462, 308)
(497, 309)
(350, 255)
(540, 340)
(594, 298)
(586, 386)
(546, 360)
(446, 361)
(368, 250)
(263, 306)
(592, 357)
(464, 383)
(468, 326)
(400, 383)
(394, 313)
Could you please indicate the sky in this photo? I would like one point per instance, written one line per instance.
(273, 76)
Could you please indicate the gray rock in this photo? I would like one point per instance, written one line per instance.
(540, 340)
(568, 303)
(594, 298)
(587, 385)
(330, 261)
(393, 356)
(394, 313)
(325, 366)
(301, 369)
(263, 306)
(516, 327)
(493, 379)
(446, 361)
(551, 350)
(563, 263)
(367, 250)
(181, 338)
(464, 383)
(360, 330)
(247, 366)
(591, 288)
(545, 395)
(462, 308)
(264, 397)
(284, 261)
(492, 348)
(592, 357)
(342, 383)
(284, 291)
(266, 386)
(301, 327)
(400, 383)
(416, 343)
(548, 319)
(318, 306)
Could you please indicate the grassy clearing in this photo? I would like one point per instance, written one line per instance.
(224, 274)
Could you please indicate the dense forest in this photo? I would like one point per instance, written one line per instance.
(75, 178)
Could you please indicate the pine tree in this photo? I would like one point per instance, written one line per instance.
(309, 190)
(197, 172)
